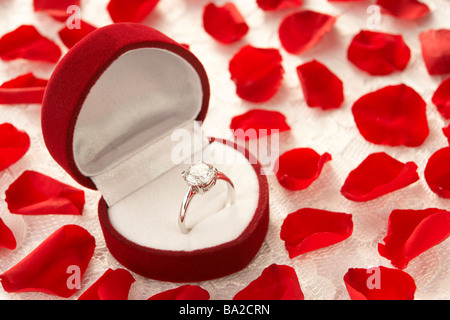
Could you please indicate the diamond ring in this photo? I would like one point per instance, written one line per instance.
(201, 178)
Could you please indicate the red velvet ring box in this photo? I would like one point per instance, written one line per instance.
(114, 112)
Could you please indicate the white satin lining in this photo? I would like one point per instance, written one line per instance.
(127, 119)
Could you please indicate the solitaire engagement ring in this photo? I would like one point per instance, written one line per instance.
(201, 178)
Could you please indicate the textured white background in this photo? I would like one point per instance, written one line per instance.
(320, 272)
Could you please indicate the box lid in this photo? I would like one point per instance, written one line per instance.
(120, 87)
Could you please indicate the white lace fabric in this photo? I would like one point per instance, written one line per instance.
(320, 272)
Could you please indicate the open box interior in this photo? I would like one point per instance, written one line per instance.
(123, 141)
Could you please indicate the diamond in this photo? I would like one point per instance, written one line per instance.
(200, 175)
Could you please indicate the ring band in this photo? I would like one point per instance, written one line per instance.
(201, 178)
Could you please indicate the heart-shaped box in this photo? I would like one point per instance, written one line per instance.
(112, 112)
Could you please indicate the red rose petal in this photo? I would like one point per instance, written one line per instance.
(437, 173)
(446, 132)
(276, 282)
(55, 8)
(224, 23)
(404, 9)
(412, 232)
(7, 239)
(308, 229)
(436, 50)
(186, 292)
(301, 31)
(257, 123)
(27, 43)
(23, 89)
(47, 268)
(71, 36)
(13, 145)
(321, 87)
(394, 115)
(34, 193)
(130, 10)
(298, 168)
(272, 5)
(257, 73)
(441, 98)
(112, 285)
(377, 175)
(378, 53)
(379, 283)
